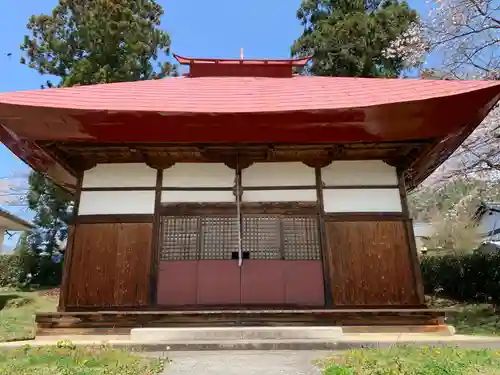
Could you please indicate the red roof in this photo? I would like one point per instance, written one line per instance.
(243, 94)
(196, 60)
(211, 109)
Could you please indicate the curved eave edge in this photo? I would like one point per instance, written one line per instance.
(184, 60)
(437, 154)
(39, 160)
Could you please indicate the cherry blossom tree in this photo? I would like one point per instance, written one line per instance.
(465, 34)
(463, 39)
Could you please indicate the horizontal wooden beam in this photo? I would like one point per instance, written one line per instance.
(365, 216)
(113, 218)
(175, 209)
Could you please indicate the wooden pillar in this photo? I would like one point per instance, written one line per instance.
(325, 257)
(412, 247)
(155, 239)
(68, 256)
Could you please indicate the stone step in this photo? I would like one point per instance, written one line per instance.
(217, 334)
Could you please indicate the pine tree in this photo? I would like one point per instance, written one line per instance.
(349, 37)
(85, 42)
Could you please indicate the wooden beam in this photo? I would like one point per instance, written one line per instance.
(410, 235)
(325, 258)
(68, 255)
(155, 239)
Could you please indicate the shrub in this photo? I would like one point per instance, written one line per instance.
(469, 277)
(10, 270)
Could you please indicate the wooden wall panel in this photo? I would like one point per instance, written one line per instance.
(111, 265)
(370, 263)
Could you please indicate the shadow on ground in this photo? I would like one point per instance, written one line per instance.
(13, 300)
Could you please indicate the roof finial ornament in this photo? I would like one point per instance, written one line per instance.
(241, 53)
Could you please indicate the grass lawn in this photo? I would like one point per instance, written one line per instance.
(68, 360)
(17, 312)
(470, 319)
(413, 361)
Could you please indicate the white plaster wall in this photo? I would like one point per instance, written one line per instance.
(362, 200)
(116, 202)
(198, 175)
(278, 174)
(184, 196)
(359, 172)
(279, 196)
(120, 175)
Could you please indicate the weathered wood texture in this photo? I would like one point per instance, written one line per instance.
(90, 322)
(111, 265)
(63, 297)
(370, 263)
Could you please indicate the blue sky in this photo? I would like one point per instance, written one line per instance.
(217, 28)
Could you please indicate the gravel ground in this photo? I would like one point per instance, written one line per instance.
(244, 362)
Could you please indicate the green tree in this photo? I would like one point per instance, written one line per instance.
(350, 37)
(85, 42)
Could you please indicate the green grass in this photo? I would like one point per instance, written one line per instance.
(413, 361)
(470, 319)
(17, 313)
(68, 360)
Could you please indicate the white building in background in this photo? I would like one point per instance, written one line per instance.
(11, 223)
(488, 221)
(422, 231)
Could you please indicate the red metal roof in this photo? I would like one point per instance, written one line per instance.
(299, 109)
(242, 94)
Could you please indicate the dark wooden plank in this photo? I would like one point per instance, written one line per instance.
(121, 218)
(58, 323)
(364, 216)
(325, 256)
(289, 187)
(417, 273)
(370, 263)
(360, 187)
(68, 256)
(179, 188)
(284, 208)
(111, 265)
(120, 188)
(155, 242)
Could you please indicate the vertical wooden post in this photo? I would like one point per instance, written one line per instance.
(155, 239)
(325, 257)
(410, 235)
(68, 255)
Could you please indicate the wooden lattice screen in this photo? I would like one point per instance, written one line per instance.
(265, 237)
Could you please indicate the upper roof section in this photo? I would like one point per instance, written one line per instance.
(214, 95)
(206, 67)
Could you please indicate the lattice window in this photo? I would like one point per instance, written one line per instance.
(219, 237)
(180, 237)
(300, 238)
(261, 237)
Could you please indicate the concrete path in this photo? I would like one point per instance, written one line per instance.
(244, 362)
(347, 341)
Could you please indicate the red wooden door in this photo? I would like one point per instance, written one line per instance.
(281, 265)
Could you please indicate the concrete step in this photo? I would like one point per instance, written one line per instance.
(218, 334)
